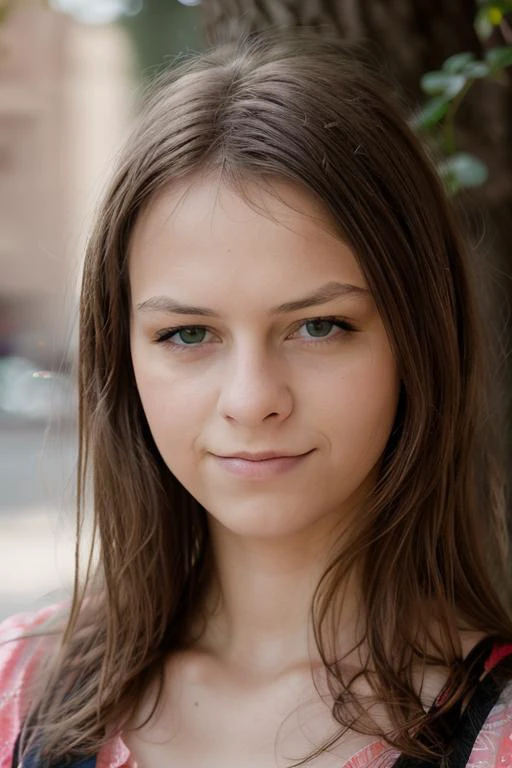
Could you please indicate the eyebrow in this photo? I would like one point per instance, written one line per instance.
(322, 295)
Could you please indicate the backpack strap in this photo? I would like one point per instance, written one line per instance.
(476, 713)
(484, 697)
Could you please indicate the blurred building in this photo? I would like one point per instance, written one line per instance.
(66, 94)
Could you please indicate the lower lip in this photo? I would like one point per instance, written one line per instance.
(260, 470)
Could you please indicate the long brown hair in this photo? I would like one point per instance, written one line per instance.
(429, 546)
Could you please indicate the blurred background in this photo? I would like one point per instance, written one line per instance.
(71, 75)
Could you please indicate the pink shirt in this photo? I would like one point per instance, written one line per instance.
(492, 749)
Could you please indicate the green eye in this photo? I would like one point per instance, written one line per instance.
(192, 335)
(319, 328)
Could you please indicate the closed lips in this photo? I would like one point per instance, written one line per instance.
(262, 456)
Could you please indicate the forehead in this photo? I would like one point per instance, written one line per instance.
(204, 236)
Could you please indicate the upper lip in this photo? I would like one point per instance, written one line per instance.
(260, 456)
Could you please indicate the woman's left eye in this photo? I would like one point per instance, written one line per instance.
(320, 328)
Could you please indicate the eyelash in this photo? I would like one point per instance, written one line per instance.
(164, 337)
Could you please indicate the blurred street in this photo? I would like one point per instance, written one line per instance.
(36, 512)
(58, 73)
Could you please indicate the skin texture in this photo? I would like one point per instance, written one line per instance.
(255, 381)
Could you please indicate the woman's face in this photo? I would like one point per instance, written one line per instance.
(254, 332)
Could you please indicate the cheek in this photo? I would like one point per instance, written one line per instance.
(172, 407)
(174, 416)
(362, 408)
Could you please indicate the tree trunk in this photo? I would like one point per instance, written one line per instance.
(410, 37)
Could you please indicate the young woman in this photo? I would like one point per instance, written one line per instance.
(284, 434)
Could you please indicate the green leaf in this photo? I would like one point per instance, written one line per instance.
(495, 15)
(430, 114)
(458, 63)
(483, 26)
(505, 6)
(499, 58)
(442, 83)
(490, 15)
(477, 69)
(433, 82)
(496, 6)
(463, 170)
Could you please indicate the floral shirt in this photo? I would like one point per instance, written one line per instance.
(492, 748)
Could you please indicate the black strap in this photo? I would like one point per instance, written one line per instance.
(484, 698)
(473, 666)
(485, 695)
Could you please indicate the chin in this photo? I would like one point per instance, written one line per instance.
(263, 520)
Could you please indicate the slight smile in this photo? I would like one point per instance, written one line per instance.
(260, 466)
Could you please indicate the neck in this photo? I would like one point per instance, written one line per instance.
(262, 597)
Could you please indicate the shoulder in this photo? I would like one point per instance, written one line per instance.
(26, 640)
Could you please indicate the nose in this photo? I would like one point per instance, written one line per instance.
(254, 388)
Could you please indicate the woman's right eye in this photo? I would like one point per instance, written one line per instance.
(184, 336)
